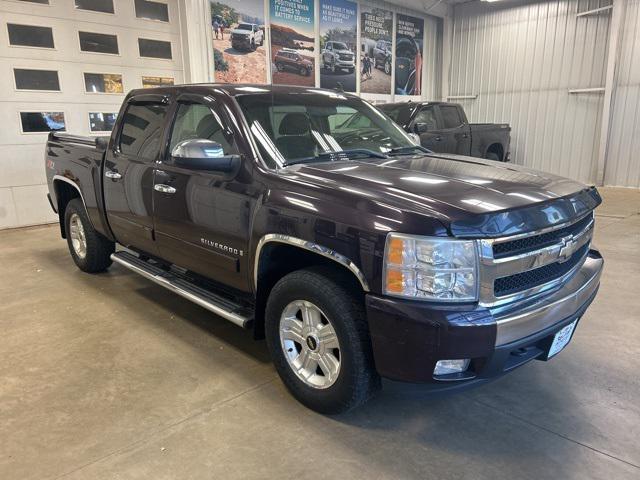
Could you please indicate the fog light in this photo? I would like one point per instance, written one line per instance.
(446, 367)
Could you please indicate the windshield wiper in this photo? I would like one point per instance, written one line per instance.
(408, 149)
(334, 156)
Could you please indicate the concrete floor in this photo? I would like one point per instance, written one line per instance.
(109, 376)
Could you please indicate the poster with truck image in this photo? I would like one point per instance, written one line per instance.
(409, 54)
(338, 44)
(376, 55)
(292, 42)
(238, 32)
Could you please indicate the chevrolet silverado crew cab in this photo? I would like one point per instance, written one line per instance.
(355, 252)
(247, 36)
(337, 56)
(443, 127)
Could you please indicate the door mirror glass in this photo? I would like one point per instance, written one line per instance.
(415, 137)
(203, 154)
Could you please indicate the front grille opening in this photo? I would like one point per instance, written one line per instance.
(535, 242)
(539, 276)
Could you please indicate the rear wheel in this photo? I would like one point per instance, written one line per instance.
(387, 67)
(90, 250)
(319, 341)
(304, 72)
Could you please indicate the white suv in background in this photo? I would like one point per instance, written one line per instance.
(337, 56)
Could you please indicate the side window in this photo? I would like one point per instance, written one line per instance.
(450, 116)
(142, 130)
(427, 115)
(199, 121)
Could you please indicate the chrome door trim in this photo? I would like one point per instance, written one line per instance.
(311, 247)
(111, 174)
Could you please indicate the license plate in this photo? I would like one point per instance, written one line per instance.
(561, 339)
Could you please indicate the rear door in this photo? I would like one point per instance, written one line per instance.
(202, 220)
(129, 170)
(454, 131)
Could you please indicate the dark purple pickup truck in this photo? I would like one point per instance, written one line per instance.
(356, 253)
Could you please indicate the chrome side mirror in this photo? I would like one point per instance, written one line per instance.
(203, 154)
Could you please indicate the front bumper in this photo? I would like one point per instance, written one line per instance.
(409, 337)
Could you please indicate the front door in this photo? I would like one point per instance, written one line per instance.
(202, 219)
(426, 123)
(128, 173)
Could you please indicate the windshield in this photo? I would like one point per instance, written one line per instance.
(244, 26)
(308, 125)
(340, 46)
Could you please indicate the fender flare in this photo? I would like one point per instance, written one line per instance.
(311, 247)
(74, 185)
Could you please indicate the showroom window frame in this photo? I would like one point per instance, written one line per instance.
(84, 83)
(48, 4)
(48, 49)
(119, 54)
(99, 132)
(31, 90)
(154, 20)
(22, 132)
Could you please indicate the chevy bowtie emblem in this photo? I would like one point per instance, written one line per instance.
(566, 250)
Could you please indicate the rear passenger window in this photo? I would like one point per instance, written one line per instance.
(450, 116)
(142, 130)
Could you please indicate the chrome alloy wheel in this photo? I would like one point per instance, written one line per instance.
(310, 344)
(78, 238)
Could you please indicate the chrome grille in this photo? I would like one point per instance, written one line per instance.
(521, 266)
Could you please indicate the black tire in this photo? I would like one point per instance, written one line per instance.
(280, 67)
(304, 72)
(357, 379)
(493, 156)
(98, 248)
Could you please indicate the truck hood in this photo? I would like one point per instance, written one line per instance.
(460, 191)
(237, 31)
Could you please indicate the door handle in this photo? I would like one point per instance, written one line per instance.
(437, 139)
(465, 135)
(159, 187)
(113, 175)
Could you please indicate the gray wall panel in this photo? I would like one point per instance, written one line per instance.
(623, 159)
(522, 60)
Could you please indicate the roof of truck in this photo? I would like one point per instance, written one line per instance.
(233, 89)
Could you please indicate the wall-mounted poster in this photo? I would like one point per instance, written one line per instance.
(376, 30)
(238, 31)
(409, 54)
(338, 44)
(292, 42)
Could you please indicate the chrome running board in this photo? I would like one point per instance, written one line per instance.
(207, 299)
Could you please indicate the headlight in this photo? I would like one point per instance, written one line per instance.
(430, 268)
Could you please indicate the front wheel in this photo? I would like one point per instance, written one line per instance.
(280, 67)
(90, 250)
(319, 340)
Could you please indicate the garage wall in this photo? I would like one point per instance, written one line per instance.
(521, 60)
(623, 159)
(22, 178)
